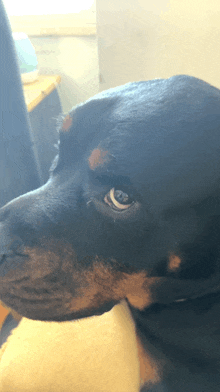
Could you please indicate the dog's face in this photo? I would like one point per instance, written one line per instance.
(131, 209)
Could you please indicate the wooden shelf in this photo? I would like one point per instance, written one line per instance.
(35, 92)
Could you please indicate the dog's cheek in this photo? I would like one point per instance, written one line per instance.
(102, 284)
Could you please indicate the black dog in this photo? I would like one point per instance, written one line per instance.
(131, 210)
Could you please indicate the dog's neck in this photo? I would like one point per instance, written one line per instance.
(183, 341)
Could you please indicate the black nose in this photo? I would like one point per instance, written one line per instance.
(9, 244)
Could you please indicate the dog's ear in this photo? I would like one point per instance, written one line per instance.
(67, 123)
(67, 146)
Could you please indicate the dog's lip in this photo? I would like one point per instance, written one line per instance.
(43, 311)
(181, 300)
(214, 290)
(9, 260)
(189, 298)
(81, 314)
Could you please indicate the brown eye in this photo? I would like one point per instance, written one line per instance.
(117, 199)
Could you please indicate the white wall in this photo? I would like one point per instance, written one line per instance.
(145, 39)
(42, 7)
(65, 44)
(75, 59)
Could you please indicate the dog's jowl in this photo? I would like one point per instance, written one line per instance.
(131, 211)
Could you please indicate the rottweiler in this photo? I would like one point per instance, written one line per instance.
(131, 211)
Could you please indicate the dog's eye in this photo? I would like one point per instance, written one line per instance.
(117, 199)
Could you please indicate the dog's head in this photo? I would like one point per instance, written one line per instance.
(131, 209)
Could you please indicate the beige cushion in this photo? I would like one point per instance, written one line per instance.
(88, 355)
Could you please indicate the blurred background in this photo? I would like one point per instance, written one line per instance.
(94, 45)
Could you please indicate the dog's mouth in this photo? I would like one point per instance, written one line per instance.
(214, 290)
(51, 309)
(48, 293)
(50, 286)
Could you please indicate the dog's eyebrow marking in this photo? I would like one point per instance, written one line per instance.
(174, 262)
(67, 122)
(97, 158)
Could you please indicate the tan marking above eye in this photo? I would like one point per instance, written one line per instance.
(97, 158)
(111, 196)
(174, 263)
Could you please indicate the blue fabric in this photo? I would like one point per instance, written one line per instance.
(18, 166)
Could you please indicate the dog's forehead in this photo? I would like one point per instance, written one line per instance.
(162, 134)
(139, 102)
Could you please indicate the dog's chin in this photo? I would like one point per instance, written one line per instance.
(48, 311)
(73, 316)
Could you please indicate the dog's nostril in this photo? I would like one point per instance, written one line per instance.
(2, 259)
(16, 245)
(4, 213)
(9, 245)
